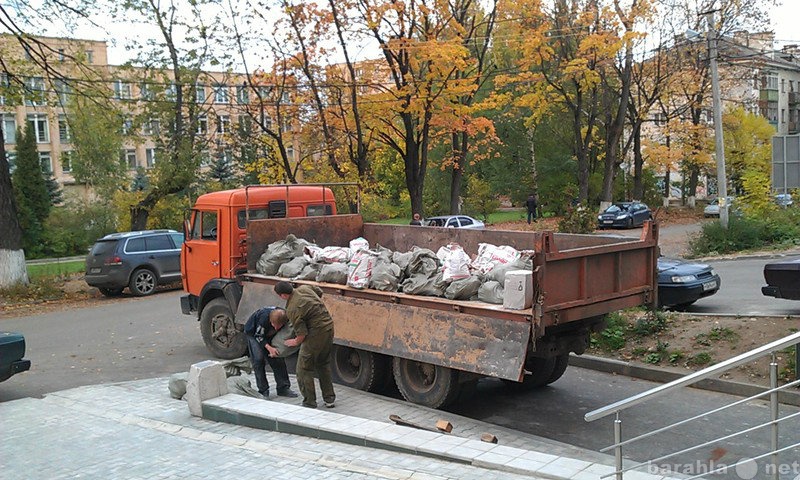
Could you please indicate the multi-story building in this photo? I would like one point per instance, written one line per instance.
(223, 101)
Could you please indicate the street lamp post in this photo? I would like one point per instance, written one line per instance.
(722, 185)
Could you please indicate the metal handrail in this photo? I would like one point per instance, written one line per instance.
(705, 444)
(699, 416)
(741, 462)
(711, 371)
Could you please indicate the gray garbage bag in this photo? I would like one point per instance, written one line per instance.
(237, 366)
(421, 284)
(498, 273)
(423, 261)
(402, 259)
(177, 385)
(278, 341)
(309, 272)
(385, 276)
(280, 252)
(491, 292)
(292, 268)
(463, 289)
(333, 273)
(242, 386)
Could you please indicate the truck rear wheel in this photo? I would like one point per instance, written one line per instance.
(219, 330)
(538, 374)
(359, 369)
(425, 384)
(561, 364)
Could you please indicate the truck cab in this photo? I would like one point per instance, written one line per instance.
(214, 252)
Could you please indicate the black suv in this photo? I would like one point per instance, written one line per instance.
(139, 260)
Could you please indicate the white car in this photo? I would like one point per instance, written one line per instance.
(712, 209)
(454, 221)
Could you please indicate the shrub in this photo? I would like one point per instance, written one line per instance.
(773, 227)
(650, 324)
(578, 220)
(613, 336)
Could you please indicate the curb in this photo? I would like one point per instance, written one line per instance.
(627, 369)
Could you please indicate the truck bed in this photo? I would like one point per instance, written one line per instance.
(575, 277)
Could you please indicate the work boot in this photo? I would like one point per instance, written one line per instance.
(287, 392)
(264, 393)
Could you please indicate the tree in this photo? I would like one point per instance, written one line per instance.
(30, 190)
(54, 190)
(12, 256)
(748, 153)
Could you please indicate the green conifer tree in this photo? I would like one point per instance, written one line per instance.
(30, 191)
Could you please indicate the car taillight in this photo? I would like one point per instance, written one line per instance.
(113, 261)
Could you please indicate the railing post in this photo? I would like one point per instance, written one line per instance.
(773, 400)
(618, 448)
(797, 361)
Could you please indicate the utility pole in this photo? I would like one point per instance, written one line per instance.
(722, 184)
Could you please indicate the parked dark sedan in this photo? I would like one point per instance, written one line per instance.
(681, 283)
(12, 349)
(783, 279)
(624, 214)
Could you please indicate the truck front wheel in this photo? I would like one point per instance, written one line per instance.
(359, 369)
(537, 375)
(425, 384)
(219, 330)
(561, 364)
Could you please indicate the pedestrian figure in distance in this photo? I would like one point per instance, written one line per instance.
(417, 220)
(260, 329)
(313, 327)
(531, 205)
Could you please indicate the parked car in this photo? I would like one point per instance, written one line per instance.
(139, 260)
(712, 209)
(681, 283)
(454, 221)
(783, 279)
(12, 349)
(624, 214)
(784, 200)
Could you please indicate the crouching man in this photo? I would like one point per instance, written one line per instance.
(260, 329)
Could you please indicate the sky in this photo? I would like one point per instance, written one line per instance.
(785, 23)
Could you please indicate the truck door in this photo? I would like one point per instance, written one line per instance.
(202, 250)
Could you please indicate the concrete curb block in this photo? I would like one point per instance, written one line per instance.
(610, 365)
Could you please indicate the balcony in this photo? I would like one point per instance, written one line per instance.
(793, 128)
(794, 98)
(768, 95)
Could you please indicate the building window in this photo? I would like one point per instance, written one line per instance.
(245, 124)
(63, 129)
(286, 125)
(242, 95)
(769, 82)
(221, 94)
(151, 127)
(34, 92)
(37, 122)
(223, 124)
(45, 163)
(791, 86)
(783, 85)
(61, 55)
(285, 97)
(145, 93)
(150, 157)
(202, 125)
(783, 115)
(200, 93)
(127, 125)
(122, 90)
(290, 154)
(128, 158)
(3, 87)
(63, 90)
(11, 158)
(89, 56)
(66, 161)
(170, 91)
(9, 128)
(267, 122)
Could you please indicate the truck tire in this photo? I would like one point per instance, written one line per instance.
(538, 374)
(561, 364)
(359, 369)
(219, 330)
(425, 384)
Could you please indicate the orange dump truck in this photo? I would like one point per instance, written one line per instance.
(432, 348)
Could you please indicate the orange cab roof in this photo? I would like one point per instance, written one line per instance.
(260, 195)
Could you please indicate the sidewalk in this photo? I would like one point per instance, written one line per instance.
(135, 430)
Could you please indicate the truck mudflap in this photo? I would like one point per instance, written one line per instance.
(494, 347)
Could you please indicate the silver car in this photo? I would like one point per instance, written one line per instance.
(454, 221)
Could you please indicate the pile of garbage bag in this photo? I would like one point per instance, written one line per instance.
(449, 272)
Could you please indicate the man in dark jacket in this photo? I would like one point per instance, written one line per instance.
(259, 330)
(313, 327)
(531, 204)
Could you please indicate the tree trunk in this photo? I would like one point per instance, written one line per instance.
(457, 177)
(638, 164)
(12, 257)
